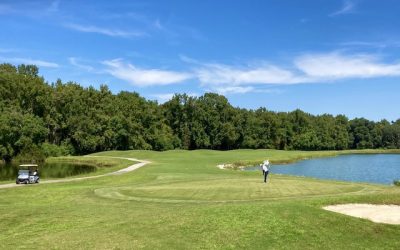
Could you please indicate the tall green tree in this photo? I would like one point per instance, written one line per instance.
(62, 118)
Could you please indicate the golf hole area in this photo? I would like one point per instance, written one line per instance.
(227, 190)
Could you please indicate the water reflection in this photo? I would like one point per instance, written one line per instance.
(47, 170)
(377, 168)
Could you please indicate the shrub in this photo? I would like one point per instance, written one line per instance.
(396, 183)
(49, 149)
(31, 154)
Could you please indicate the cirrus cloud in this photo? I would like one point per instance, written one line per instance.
(226, 74)
(36, 62)
(233, 79)
(143, 77)
(335, 66)
(347, 7)
(104, 31)
(225, 90)
(75, 62)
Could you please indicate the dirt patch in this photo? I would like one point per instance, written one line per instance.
(389, 214)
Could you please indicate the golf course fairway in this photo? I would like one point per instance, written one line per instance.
(181, 200)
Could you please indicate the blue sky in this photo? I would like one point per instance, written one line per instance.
(337, 57)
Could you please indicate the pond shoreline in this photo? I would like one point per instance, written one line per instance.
(372, 168)
(241, 165)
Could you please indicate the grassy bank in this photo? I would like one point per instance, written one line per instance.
(182, 201)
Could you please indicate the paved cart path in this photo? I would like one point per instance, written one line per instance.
(121, 171)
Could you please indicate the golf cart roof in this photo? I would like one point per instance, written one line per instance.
(28, 165)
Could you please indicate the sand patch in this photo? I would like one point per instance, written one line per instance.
(221, 166)
(225, 166)
(389, 214)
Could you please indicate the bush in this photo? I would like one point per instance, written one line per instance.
(396, 183)
(32, 154)
(49, 149)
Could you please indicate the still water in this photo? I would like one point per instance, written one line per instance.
(376, 168)
(47, 170)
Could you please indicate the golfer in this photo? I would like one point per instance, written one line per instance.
(265, 170)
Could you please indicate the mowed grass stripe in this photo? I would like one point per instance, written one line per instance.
(233, 190)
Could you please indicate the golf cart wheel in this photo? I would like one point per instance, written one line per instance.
(37, 181)
(17, 182)
(26, 182)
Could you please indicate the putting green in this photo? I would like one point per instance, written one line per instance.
(231, 190)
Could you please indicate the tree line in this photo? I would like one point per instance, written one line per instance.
(37, 118)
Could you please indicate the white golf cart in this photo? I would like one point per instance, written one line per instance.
(28, 174)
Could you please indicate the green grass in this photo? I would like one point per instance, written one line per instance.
(182, 201)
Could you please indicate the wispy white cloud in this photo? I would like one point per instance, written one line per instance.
(225, 90)
(104, 31)
(231, 90)
(75, 62)
(172, 31)
(220, 74)
(334, 66)
(348, 7)
(144, 77)
(39, 63)
(307, 68)
(234, 79)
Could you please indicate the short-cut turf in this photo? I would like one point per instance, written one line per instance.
(182, 201)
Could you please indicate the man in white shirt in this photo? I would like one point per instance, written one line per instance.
(265, 170)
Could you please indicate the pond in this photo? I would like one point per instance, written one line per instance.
(47, 170)
(376, 168)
